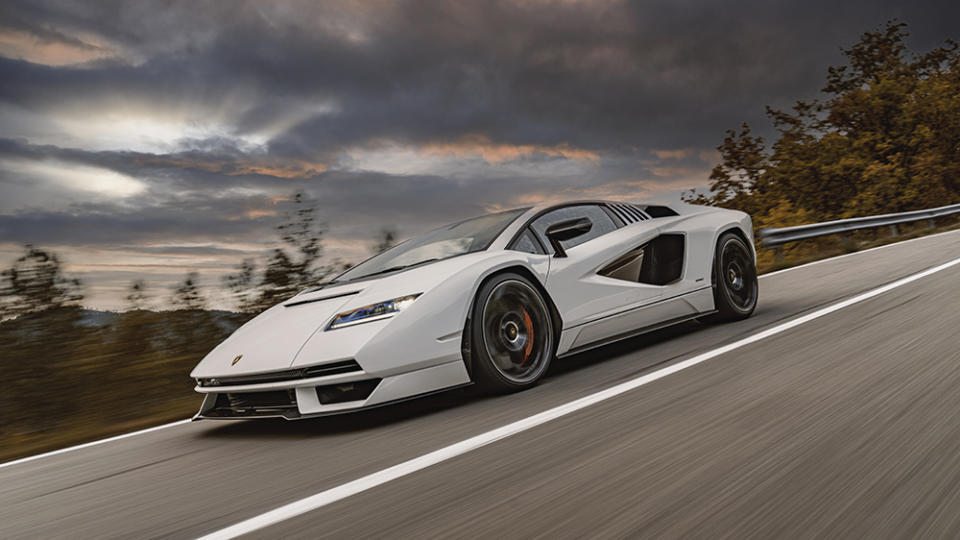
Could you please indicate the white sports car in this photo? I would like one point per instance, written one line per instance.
(489, 300)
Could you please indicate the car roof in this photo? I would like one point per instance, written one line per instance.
(511, 231)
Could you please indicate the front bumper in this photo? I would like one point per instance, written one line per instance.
(319, 396)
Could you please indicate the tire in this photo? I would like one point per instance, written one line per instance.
(511, 336)
(734, 277)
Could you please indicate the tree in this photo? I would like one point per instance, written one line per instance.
(885, 137)
(304, 236)
(40, 337)
(132, 337)
(187, 294)
(243, 286)
(291, 267)
(35, 283)
(385, 240)
(137, 295)
(57, 366)
(281, 279)
(737, 178)
(191, 330)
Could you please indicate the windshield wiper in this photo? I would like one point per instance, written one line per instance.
(399, 267)
(392, 269)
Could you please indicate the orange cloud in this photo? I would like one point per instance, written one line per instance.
(290, 169)
(266, 167)
(679, 153)
(492, 152)
(258, 213)
(707, 155)
(620, 190)
(26, 46)
(678, 172)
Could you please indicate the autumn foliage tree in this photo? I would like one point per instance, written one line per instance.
(884, 138)
(46, 307)
(72, 374)
(295, 264)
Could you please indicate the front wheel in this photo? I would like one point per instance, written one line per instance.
(734, 279)
(512, 338)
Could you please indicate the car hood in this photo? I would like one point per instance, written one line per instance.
(272, 340)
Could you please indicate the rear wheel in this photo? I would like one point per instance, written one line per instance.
(511, 334)
(734, 279)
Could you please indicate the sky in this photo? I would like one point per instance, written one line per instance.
(145, 140)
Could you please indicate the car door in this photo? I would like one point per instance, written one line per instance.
(581, 293)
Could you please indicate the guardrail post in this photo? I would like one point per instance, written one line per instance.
(893, 230)
(931, 224)
(778, 254)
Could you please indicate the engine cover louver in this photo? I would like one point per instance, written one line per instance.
(627, 213)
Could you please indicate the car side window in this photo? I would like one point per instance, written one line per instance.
(526, 243)
(602, 224)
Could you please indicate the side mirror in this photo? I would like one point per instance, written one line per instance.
(566, 230)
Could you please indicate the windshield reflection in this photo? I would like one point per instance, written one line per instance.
(459, 238)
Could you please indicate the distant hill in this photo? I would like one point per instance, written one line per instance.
(228, 321)
(93, 317)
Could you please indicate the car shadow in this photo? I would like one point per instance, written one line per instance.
(379, 417)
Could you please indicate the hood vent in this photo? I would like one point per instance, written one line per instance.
(295, 302)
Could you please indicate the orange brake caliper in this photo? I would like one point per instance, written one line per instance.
(528, 323)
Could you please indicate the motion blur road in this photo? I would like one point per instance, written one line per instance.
(845, 426)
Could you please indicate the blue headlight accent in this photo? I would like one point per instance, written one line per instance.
(373, 312)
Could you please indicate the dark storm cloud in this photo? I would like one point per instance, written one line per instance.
(201, 165)
(354, 205)
(599, 75)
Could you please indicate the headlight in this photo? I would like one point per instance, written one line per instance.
(373, 312)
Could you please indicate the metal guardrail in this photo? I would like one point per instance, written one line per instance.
(777, 236)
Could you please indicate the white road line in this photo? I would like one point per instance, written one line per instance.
(95, 443)
(379, 478)
(92, 443)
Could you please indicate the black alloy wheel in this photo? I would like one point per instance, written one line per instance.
(735, 287)
(512, 334)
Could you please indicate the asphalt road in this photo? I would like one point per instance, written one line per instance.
(844, 426)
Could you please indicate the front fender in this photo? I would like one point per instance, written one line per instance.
(430, 330)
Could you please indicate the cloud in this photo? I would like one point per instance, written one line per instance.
(49, 48)
(492, 152)
(129, 127)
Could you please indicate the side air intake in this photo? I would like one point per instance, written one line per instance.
(658, 262)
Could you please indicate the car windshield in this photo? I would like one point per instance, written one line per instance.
(449, 241)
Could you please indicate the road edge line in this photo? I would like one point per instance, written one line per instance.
(92, 443)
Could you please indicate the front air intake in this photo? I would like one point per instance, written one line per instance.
(342, 393)
(323, 370)
(247, 404)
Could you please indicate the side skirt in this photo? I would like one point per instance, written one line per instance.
(634, 333)
(636, 321)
